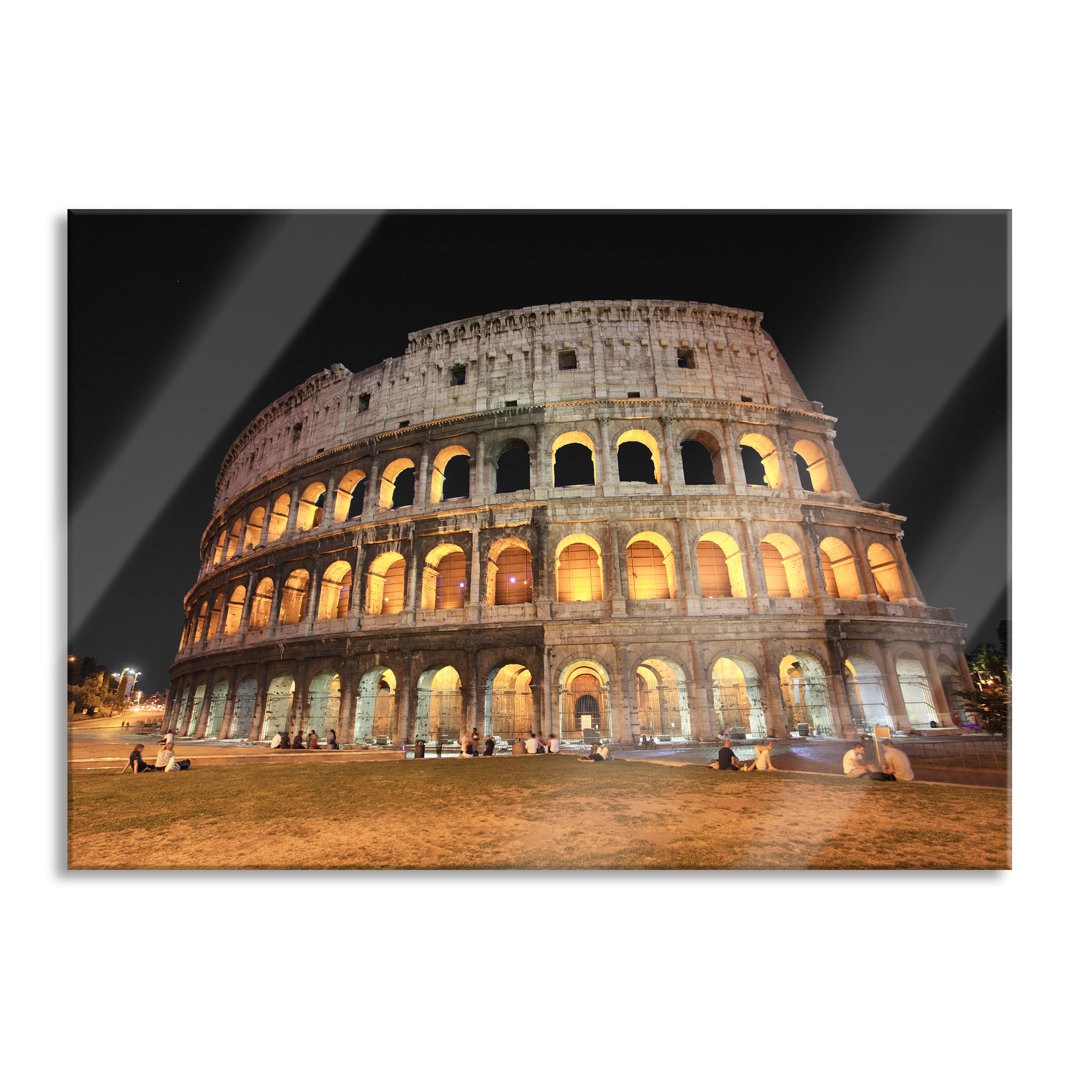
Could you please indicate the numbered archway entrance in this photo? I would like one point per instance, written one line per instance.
(373, 722)
(439, 705)
(737, 697)
(508, 703)
(805, 695)
(583, 702)
(662, 708)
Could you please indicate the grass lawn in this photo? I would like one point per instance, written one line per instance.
(524, 813)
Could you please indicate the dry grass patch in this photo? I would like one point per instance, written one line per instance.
(524, 813)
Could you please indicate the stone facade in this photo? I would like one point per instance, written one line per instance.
(602, 519)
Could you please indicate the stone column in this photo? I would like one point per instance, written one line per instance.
(245, 613)
(230, 708)
(475, 576)
(732, 461)
(275, 602)
(294, 505)
(615, 554)
(356, 595)
(894, 694)
(619, 698)
(862, 567)
(422, 494)
(267, 509)
(755, 570)
(773, 699)
(937, 691)
(311, 605)
(911, 586)
(259, 716)
(668, 474)
(703, 721)
(328, 502)
(371, 494)
(605, 462)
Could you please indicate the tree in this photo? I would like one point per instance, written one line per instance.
(991, 700)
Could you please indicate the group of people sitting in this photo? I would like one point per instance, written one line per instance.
(728, 759)
(280, 741)
(167, 761)
(601, 752)
(894, 764)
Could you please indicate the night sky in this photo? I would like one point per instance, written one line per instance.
(183, 326)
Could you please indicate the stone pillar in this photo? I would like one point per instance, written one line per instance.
(267, 508)
(371, 495)
(259, 716)
(275, 602)
(732, 460)
(245, 613)
(230, 708)
(422, 494)
(894, 694)
(356, 595)
(755, 584)
(478, 482)
(911, 587)
(615, 552)
(294, 505)
(862, 567)
(405, 703)
(772, 698)
(475, 575)
(703, 720)
(619, 698)
(668, 470)
(605, 462)
(937, 691)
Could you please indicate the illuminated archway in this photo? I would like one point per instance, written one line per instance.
(373, 721)
(866, 693)
(805, 694)
(243, 709)
(650, 567)
(200, 623)
(309, 511)
(573, 460)
(839, 570)
(886, 573)
(279, 704)
(324, 703)
(737, 696)
(450, 474)
(218, 697)
(583, 704)
(261, 605)
(720, 566)
(234, 538)
(509, 573)
(349, 498)
(219, 548)
(439, 705)
(196, 708)
(235, 612)
(445, 582)
(663, 710)
(915, 687)
(279, 518)
(762, 454)
(397, 487)
(386, 584)
(508, 703)
(294, 595)
(579, 569)
(215, 616)
(817, 468)
(702, 459)
(638, 457)
(253, 530)
(335, 591)
(782, 561)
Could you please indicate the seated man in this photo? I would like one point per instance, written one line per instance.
(312, 741)
(489, 746)
(531, 744)
(553, 743)
(726, 758)
(135, 761)
(602, 752)
(897, 764)
(275, 742)
(331, 740)
(298, 741)
(763, 758)
(854, 762)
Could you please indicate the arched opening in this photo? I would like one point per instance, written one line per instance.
(650, 567)
(349, 499)
(324, 703)
(200, 623)
(583, 705)
(386, 584)
(180, 715)
(234, 538)
(439, 705)
(219, 548)
(638, 457)
(838, 569)
(261, 605)
(235, 612)
(254, 528)
(397, 488)
(309, 511)
(509, 576)
(886, 573)
(701, 461)
(450, 474)
(805, 695)
(508, 703)
(915, 688)
(279, 705)
(293, 598)
(279, 518)
(720, 566)
(951, 685)
(813, 468)
(866, 694)
(782, 562)
(335, 591)
(572, 460)
(513, 469)
(445, 584)
(243, 709)
(578, 570)
(196, 708)
(215, 616)
(761, 463)
(663, 711)
(373, 722)
(737, 697)
(218, 697)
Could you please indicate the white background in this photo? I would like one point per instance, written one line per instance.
(943, 105)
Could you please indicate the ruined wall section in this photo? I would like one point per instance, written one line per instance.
(621, 349)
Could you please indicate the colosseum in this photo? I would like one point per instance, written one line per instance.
(602, 519)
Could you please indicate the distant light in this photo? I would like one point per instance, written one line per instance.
(513, 580)
(461, 585)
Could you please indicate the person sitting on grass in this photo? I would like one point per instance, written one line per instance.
(854, 763)
(726, 758)
(600, 753)
(312, 741)
(135, 762)
(553, 743)
(531, 745)
(763, 759)
(168, 762)
(298, 741)
(275, 742)
(331, 740)
(897, 764)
